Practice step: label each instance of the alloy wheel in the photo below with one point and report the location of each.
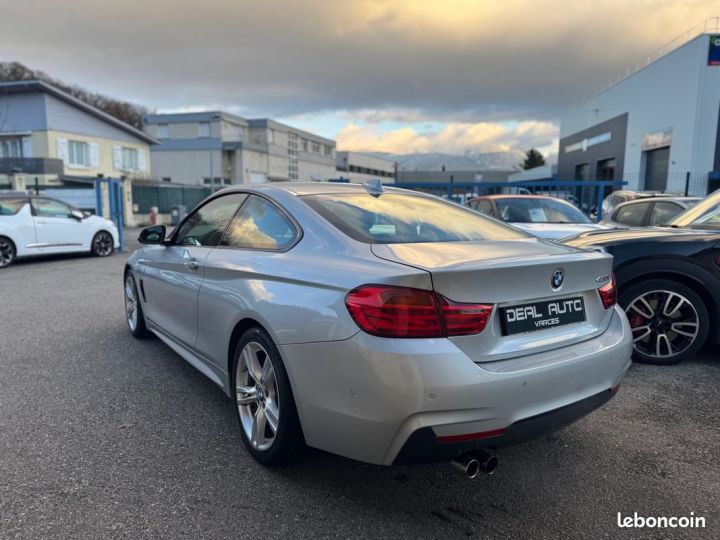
(131, 303)
(103, 244)
(257, 396)
(7, 253)
(664, 323)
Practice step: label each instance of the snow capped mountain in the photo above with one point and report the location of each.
(469, 161)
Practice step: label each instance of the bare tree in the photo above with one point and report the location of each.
(127, 112)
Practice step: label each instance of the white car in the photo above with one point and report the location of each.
(547, 217)
(36, 225)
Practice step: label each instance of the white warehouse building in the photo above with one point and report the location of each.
(356, 167)
(219, 148)
(657, 129)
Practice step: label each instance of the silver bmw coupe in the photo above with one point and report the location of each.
(380, 324)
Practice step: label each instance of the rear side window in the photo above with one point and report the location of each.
(207, 224)
(631, 214)
(395, 218)
(484, 207)
(10, 207)
(260, 225)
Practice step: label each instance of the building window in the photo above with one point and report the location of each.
(11, 148)
(305, 143)
(78, 153)
(316, 148)
(327, 149)
(163, 131)
(204, 129)
(166, 179)
(130, 159)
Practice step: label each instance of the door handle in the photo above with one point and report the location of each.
(192, 264)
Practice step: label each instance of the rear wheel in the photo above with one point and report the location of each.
(669, 321)
(102, 244)
(264, 403)
(7, 252)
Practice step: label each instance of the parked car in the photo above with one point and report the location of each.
(669, 281)
(546, 217)
(380, 324)
(648, 211)
(34, 225)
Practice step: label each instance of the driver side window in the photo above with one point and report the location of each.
(206, 225)
(50, 208)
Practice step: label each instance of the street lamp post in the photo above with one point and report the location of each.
(213, 117)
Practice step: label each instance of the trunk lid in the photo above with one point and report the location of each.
(512, 273)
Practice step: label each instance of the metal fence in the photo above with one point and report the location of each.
(165, 197)
(586, 195)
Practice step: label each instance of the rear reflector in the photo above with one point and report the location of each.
(404, 312)
(608, 293)
(471, 436)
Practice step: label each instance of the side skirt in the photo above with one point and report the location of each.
(215, 375)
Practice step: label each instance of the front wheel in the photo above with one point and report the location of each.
(264, 402)
(133, 309)
(7, 252)
(669, 321)
(102, 244)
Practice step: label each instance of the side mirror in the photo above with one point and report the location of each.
(77, 214)
(152, 235)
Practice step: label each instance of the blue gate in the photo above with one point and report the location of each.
(115, 200)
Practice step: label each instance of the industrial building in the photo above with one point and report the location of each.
(435, 177)
(358, 168)
(219, 148)
(656, 128)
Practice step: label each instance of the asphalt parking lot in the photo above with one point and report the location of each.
(102, 435)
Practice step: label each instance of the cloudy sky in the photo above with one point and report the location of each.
(386, 75)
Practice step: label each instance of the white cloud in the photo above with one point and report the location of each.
(453, 138)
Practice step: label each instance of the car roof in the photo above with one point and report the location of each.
(311, 188)
(663, 198)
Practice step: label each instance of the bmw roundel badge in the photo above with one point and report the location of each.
(557, 279)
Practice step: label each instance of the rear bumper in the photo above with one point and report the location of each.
(423, 445)
(388, 401)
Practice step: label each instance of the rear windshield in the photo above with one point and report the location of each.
(534, 210)
(9, 207)
(396, 218)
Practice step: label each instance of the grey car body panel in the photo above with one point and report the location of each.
(376, 391)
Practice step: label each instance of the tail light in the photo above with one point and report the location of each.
(404, 312)
(608, 293)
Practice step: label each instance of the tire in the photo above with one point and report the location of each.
(133, 308)
(259, 403)
(8, 253)
(102, 244)
(670, 321)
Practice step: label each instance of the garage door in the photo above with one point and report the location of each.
(656, 169)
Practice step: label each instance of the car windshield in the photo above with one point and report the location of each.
(704, 214)
(538, 210)
(395, 218)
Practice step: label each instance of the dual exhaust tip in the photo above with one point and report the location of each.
(477, 461)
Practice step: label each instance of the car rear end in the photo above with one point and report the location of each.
(514, 337)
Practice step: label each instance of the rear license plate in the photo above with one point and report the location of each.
(542, 315)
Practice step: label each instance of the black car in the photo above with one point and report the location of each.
(668, 280)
